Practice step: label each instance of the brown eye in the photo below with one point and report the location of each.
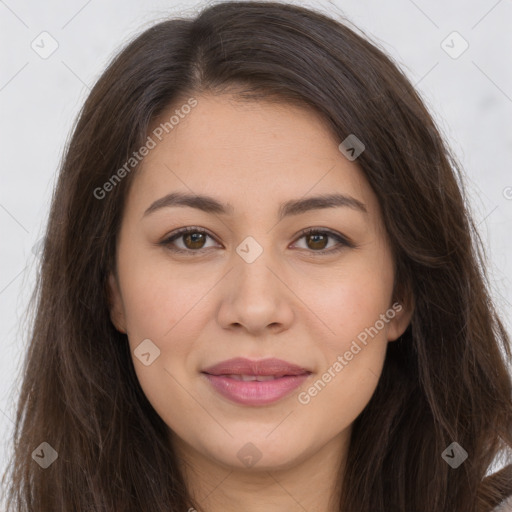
(317, 241)
(187, 240)
(194, 240)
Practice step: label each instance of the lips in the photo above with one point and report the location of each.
(242, 366)
(255, 382)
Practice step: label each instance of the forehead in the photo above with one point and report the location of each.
(244, 152)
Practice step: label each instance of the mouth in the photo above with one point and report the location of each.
(251, 378)
(255, 383)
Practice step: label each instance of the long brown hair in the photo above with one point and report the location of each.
(445, 380)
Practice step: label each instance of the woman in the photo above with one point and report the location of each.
(261, 288)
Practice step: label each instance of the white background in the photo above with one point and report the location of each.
(470, 97)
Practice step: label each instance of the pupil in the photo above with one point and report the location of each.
(316, 241)
(195, 238)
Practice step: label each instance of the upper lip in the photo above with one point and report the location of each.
(242, 366)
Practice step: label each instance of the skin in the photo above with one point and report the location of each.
(290, 303)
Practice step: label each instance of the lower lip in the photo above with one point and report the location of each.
(255, 392)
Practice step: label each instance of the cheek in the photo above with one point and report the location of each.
(158, 298)
(354, 348)
(352, 300)
(336, 397)
(165, 307)
(170, 308)
(353, 354)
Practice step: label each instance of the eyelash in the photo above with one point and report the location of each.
(343, 242)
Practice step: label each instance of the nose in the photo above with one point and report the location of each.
(255, 297)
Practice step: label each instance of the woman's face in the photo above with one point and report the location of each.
(251, 285)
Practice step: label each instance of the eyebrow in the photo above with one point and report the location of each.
(209, 204)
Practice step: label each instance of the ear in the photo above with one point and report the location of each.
(115, 302)
(403, 309)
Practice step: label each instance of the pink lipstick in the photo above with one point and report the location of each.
(255, 383)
